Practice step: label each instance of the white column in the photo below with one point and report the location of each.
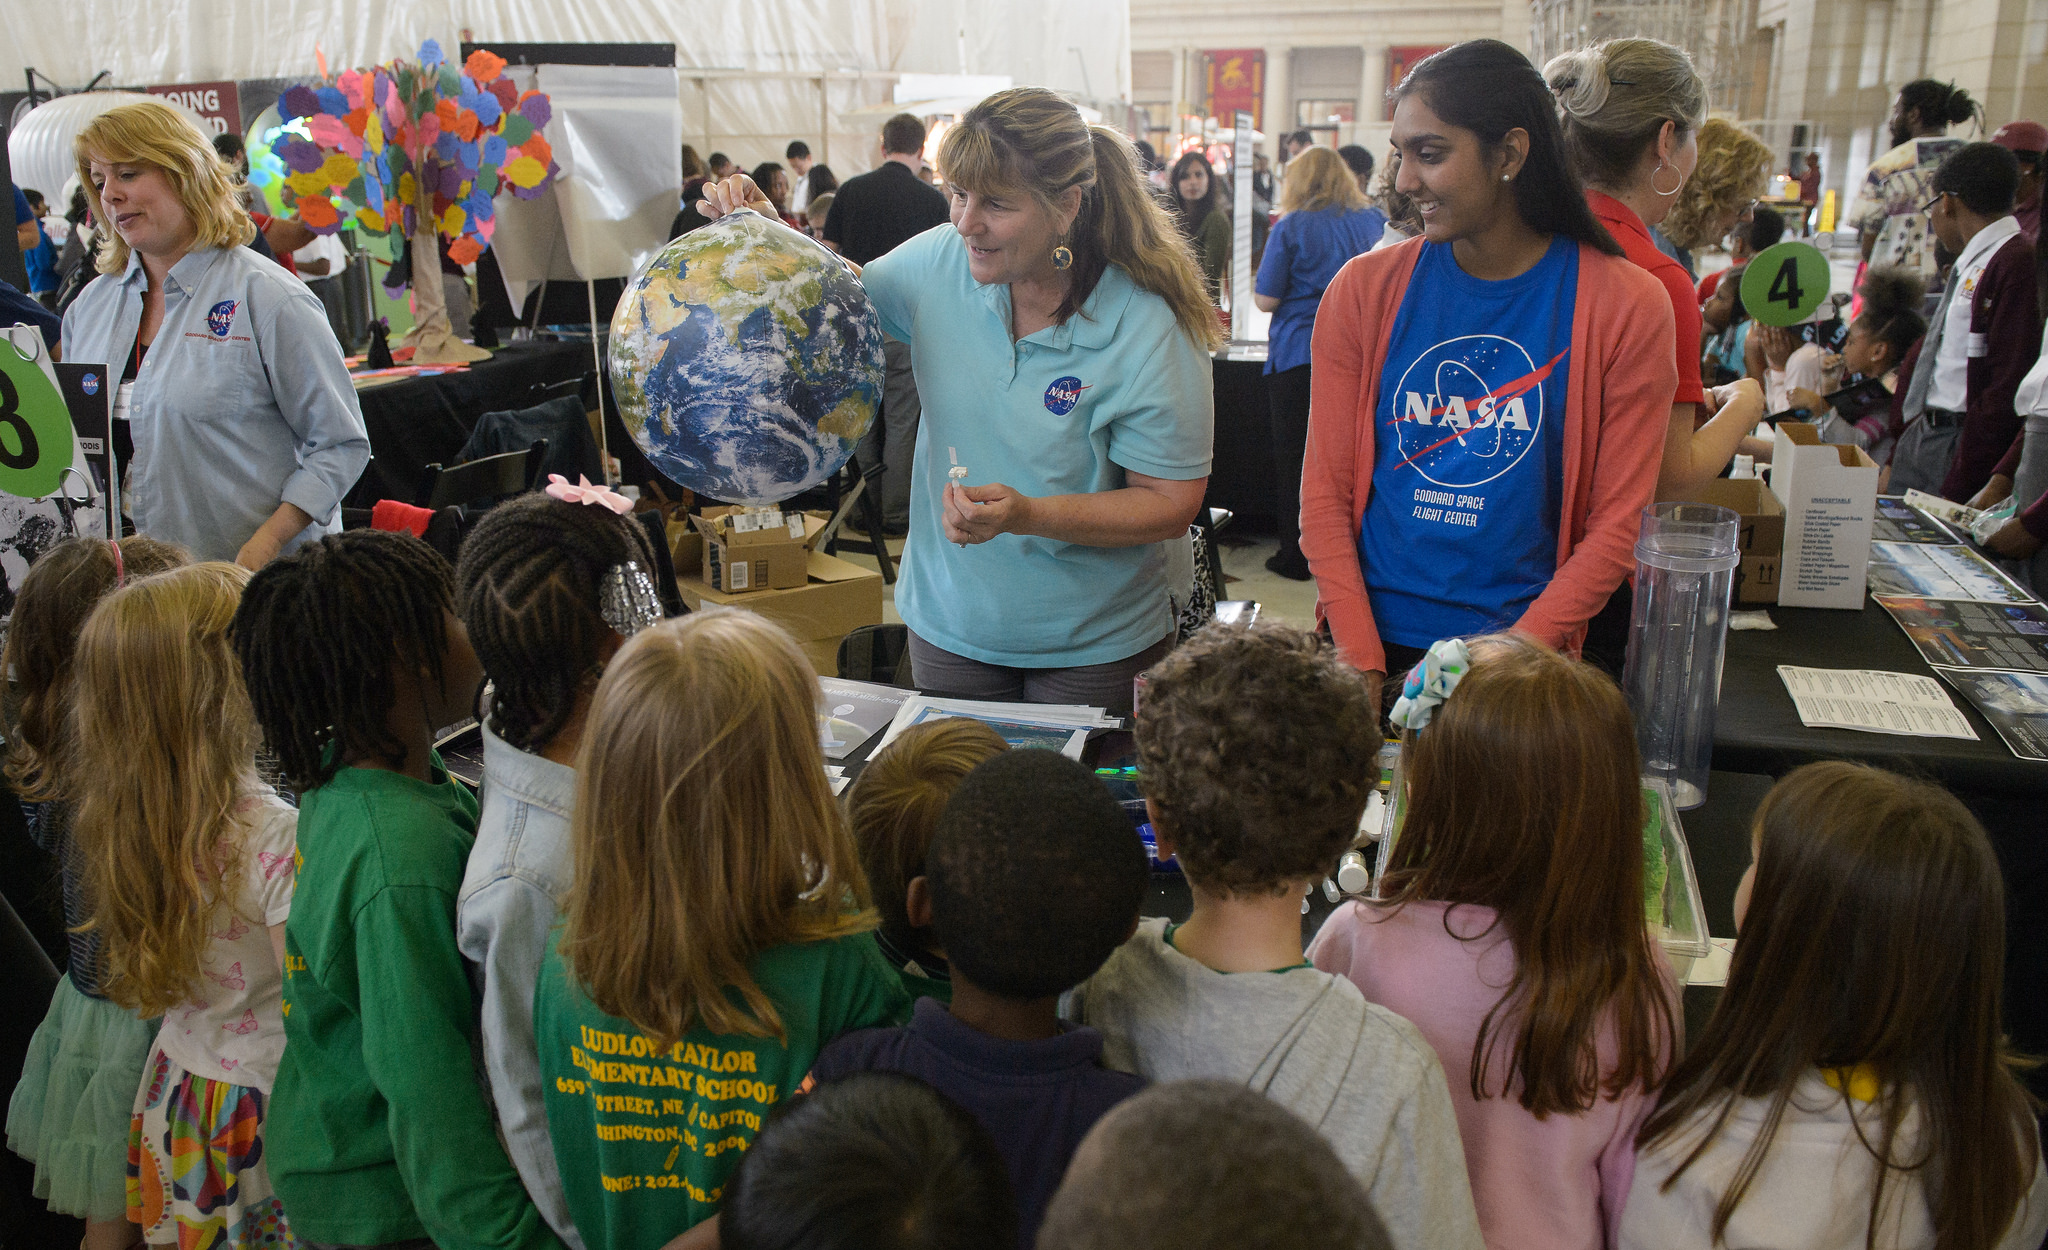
(1279, 105)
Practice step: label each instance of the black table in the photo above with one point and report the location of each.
(426, 420)
(1758, 732)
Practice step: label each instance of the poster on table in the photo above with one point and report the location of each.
(47, 493)
(1933, 571)
(2016, 704)
(1900, 522)
(1965, 634)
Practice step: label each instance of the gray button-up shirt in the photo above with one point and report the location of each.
(242, 403)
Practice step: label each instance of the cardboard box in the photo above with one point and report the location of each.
(738, 559)
(836, 598)
(1761, 539)
(1829, 492)
(685, 548)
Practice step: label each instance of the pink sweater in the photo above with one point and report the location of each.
(1558, 1183)
(1617, 407)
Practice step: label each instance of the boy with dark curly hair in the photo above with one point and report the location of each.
(1257, 748)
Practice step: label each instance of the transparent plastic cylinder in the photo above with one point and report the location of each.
(1678, 632)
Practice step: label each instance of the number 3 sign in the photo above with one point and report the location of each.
(36, 442)
(1785, 283)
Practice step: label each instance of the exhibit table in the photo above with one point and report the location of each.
(1758, 732)
(425, 420)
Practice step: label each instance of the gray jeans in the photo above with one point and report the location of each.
(1107, 686)
(893, 438)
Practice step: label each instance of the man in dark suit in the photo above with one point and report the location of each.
(871, 215)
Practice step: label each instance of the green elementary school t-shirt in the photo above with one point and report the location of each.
(378, 1129)
(646, 1141)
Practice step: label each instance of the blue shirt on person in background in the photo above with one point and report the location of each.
(1066, 410)
(1460, 534)
(1303, 254)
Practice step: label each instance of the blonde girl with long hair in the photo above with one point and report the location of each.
(190, 859)
(1059, 330)
(69, 1111)
(718, 933)
(1326, 220)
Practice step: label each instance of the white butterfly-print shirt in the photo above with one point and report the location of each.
(232, 1029)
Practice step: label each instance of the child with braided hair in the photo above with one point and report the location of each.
(549, 589)
(380, 1134)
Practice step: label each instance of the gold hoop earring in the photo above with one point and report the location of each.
(1661, 167)
(1062, 258)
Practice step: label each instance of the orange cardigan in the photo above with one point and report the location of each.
(1617, 407)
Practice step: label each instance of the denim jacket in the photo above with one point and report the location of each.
(518, 877)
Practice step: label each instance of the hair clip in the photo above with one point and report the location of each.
(583, 492)
(1431, 682)
(626, 599)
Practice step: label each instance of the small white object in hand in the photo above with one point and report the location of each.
(958, 472)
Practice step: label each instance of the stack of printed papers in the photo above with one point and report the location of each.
(1874, 702)
(1062, 727)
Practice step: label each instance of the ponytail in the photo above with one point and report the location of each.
(1891, 310)
(1034, 140)
(1940, 104)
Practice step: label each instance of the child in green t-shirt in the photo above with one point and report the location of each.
(379, 1131)
(894, 806)
(718, 932)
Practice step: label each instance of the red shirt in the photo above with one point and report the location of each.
(1634, 237)
(1708, 285)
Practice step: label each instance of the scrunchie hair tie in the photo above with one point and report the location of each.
(1429, 683)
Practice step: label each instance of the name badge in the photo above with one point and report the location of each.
(1980, 346)
(122, 398)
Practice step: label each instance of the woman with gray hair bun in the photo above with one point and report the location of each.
(1631, 111)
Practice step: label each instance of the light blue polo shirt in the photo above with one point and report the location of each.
(1064, 411)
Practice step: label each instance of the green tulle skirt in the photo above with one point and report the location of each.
(70, 1113)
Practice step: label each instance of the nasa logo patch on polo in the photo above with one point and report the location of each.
(1062, 395)
(221, 318)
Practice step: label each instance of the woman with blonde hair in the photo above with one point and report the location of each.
(1060, 332)
(189, 857)
(1631, 111)
(1734, 166)
(245, 428)
(718, 932)
(1326, 220)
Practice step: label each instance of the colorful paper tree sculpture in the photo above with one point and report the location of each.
(421, 149)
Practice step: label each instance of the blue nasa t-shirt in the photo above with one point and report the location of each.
(1468, 477)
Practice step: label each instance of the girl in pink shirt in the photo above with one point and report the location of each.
(1514, 936)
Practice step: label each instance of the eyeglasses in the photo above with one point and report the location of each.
(1939, 196)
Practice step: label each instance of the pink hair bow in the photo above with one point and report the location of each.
(558, 487)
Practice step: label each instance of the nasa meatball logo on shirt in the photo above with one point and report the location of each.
(221, 318)
(1469, 409)
(1062, 395)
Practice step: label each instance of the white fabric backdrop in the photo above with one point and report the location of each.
(1078, 46)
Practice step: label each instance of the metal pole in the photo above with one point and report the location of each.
(604, 448)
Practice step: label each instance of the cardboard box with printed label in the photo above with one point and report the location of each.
(836, 598)
(1760, 539)
(747, 551)
(1829, 492)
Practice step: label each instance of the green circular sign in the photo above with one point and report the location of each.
(35, 429)
(1785, 283)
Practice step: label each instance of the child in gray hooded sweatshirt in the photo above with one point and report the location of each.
(1257, 748)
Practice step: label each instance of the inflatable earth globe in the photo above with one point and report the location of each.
(746, 361)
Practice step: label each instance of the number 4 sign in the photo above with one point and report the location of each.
(1785, 283)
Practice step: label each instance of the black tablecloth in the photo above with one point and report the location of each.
(1241, 469)
(423, 421)
(1758, 731)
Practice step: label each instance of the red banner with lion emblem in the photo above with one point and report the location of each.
(1237, 80)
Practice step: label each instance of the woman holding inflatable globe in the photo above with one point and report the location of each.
(1059, 331)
